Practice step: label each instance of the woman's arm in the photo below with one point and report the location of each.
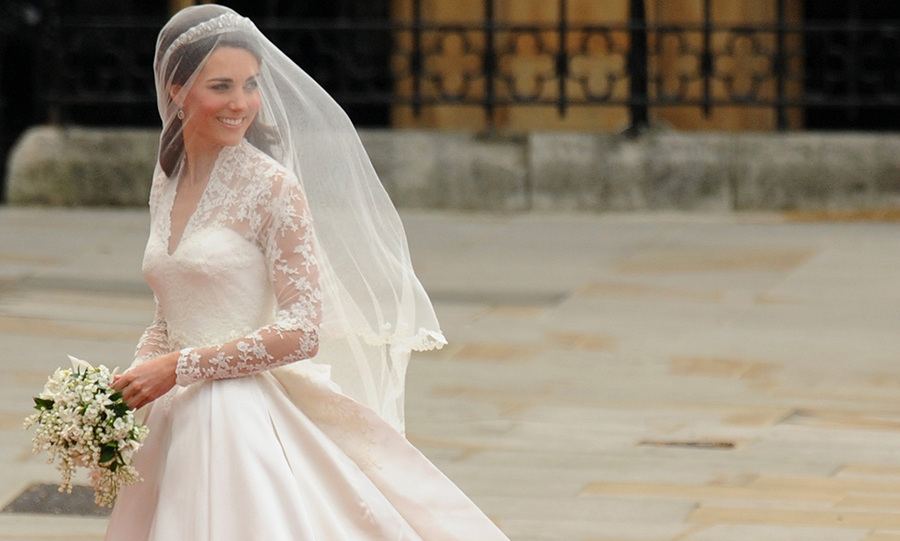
(155, 339)
(286, 237)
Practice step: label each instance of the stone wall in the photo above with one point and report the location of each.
(81, 166)
(540, 171)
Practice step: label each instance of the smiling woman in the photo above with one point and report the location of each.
(227, 94)
(272, 377)
(214, 79)
(214, 113)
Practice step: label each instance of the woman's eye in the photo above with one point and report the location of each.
(253, 84)
(220, 86)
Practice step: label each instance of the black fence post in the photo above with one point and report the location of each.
(562, 59)
(852, 110)
(780, 66)
(637, 66)
(6, 135)
(489, 62)
(416, 58)
(706, 62)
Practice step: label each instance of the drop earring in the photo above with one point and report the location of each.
(180, 114)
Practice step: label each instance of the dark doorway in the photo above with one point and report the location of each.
(19, 104)
(851, 52)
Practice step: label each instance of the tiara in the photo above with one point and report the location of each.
(208, 28)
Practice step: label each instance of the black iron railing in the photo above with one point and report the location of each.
(98, 70)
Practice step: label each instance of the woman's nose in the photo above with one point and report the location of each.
(239, 101)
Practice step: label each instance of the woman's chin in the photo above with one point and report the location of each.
(232, 139)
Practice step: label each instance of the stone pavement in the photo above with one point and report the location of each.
(616, 377)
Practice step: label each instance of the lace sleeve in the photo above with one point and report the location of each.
(155, 339)
(286, 238)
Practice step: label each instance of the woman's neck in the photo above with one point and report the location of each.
(199, 159)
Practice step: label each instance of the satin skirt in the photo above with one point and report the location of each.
(271, 457)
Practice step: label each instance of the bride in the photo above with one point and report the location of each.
(272, 376)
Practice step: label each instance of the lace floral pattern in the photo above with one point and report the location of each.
(155, 339)
(252, 195)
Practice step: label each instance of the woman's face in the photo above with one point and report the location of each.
(223, 100)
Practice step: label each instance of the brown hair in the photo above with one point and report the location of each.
(183, 62)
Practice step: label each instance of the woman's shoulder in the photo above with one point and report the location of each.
(264, 169)
(157, 183)
(258, 184)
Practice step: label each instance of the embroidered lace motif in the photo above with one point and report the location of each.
(271, 206)
(254, 196)
(155, 339)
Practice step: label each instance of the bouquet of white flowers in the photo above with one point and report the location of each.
(82, 421)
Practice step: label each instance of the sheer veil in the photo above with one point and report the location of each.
(374, 309)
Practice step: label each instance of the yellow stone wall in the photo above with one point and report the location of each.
(599, 59)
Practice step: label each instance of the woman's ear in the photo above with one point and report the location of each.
(174, 90)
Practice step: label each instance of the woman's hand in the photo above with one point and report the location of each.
(147, 381)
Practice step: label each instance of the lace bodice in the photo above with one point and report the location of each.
(240, 292)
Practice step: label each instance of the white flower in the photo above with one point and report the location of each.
(80, 364)
(69, 428)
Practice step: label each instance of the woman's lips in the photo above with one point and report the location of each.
(231, 122)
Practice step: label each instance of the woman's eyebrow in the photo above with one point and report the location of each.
(229, 79)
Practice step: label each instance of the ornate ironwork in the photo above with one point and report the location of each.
(97, 64)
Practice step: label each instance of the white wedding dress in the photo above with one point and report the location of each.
(237, 452)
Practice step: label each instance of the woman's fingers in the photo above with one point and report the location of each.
(126, 395)
(121, 381)
(132, 397)
(136, 397)
(131, 391)
(132, 403)
(122, 386)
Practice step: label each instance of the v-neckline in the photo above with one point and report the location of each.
(200, 200)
